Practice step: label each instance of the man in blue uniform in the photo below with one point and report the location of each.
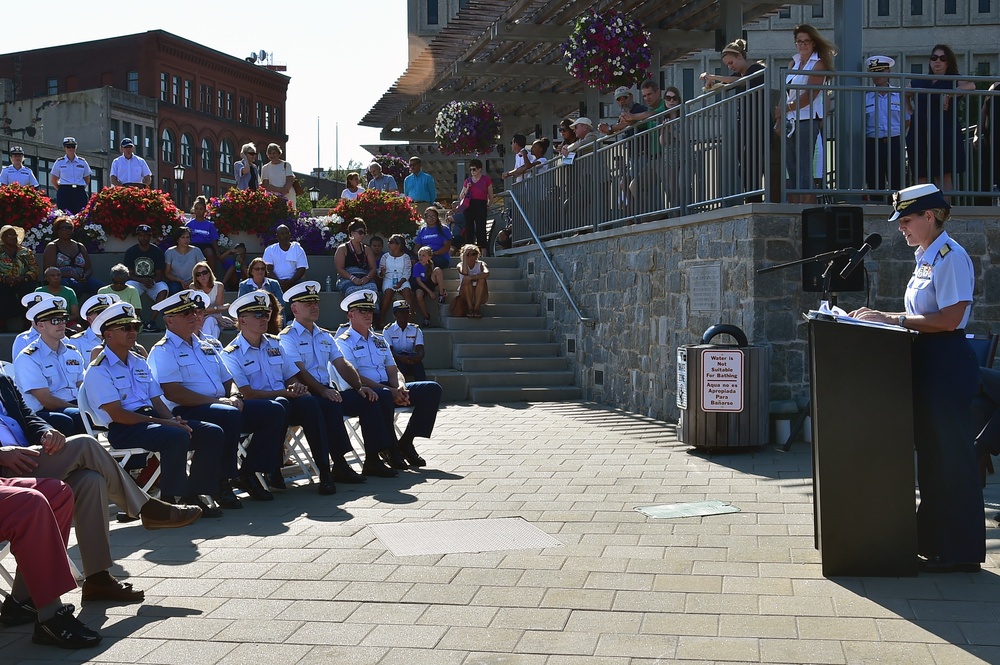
(70, 175)
(406, 340)
(124, 397)
(17, 172)
(313, 350)
(88, 340)
(885, 121)
(31, 334)
(369, 352)
(197, 385)
(48, 372)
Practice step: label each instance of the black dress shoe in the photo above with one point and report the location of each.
(276, 482)
(227, 499)
(326, 486)
(207, 509)
(937, 565)
(252, 487)
(65, 631)
(411, 456)
(13, 613)
(345, 474)
(373, 467)
(393, 458)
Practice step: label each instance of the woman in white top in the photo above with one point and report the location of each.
(804, 108)
(203, 279)
(395, 268)
(277, 176)
(353, 187)
(180, 261)
(473, 275)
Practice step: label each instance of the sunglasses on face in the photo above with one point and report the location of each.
(670, 98)
(201, 273)
(257, 315)
(57, 321)
(803, 42)
(936, 58)
(127, 327)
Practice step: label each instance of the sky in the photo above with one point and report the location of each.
(341, 57)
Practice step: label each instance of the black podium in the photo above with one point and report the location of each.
(863, 457)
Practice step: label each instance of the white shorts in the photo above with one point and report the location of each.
(152, 292)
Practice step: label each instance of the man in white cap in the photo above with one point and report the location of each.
(886, 120)
(314, 350)
(30, 447)
(70, 175)
(623, 96)
(262, 372)
(197, 386)
(130, 169)
(369, 352)
(124, 397)
(583, 127)
(17, 172)
(406, 341)
(48, 372)
(31, 334)
(86, 341)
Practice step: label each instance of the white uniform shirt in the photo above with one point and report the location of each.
(38, 366)
(262, 368)
(23, 340)
(315, 350)
(403, 341)
(370, 356)
(944, 276)
(884, 113)
(285, 262)
(130, 171)
(197, 367)
(21, 176)
(85, 342)
(111, 380)
(71, 173)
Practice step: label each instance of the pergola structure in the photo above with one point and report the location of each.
(508, 52)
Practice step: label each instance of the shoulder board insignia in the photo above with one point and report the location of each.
(231, 348)
(945, 250)
(344, 336)
(273, 338)
(78, 335)
(99, 359)
(70, 346)
(28, 350)
(285, 329)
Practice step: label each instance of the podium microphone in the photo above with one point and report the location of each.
(871, 242)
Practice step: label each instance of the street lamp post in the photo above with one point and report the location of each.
(179, 184)
(313, 197)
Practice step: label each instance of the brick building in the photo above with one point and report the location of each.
(208, 103)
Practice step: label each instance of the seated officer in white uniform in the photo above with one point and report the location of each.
(86, 341)
(31, 334)
(406, 340)
(370, 354)
(124, 397)
(313, 349)
(262, 372)
(198, 386)
(48, 372)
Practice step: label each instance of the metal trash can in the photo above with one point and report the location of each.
(722, 392)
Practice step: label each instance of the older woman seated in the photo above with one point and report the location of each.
(18, 274)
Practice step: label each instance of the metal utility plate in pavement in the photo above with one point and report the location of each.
(695, 509)
(456, 536)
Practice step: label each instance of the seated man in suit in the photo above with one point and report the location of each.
(35, 516)
(29, 446)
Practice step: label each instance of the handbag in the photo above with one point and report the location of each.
(297, 186)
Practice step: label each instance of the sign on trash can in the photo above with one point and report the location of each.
(722, 392)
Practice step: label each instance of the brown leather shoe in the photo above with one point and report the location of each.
(179, 516)
(116, 590)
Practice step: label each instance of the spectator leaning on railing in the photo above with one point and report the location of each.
(624, 98)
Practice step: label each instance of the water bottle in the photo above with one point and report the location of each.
(329, 284)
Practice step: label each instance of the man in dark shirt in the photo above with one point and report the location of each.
(624, 98)
(146, 265)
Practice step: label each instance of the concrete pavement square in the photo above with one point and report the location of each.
(303, 580)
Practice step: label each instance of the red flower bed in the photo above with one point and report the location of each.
(23, 206)
(384, 213)
(120, 209)
(254, 211)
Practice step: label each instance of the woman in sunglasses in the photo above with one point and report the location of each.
(934, 143)
(203, 279)
(479, 188)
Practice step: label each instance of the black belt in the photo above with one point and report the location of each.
(146, 411)
(73, 186)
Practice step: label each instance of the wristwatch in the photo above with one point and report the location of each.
(902, 320)
(238, 396)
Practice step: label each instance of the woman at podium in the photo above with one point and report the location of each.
(951, 529)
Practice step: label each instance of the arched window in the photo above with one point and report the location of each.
(206, 155)
(226, 156)
(187, 150)
(167, 147)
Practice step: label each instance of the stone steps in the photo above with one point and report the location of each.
(504, 350)
(492, 364)
(493, 395)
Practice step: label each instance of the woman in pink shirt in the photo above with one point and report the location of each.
(479, 189)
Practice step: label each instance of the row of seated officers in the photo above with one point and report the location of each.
(192, 394)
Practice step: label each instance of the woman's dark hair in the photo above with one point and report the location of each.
(358, 223)
(949, 58)
(64, 220)
(821, 47)
(176, 234)
(477, 163)
(274, 323)
(545, 144)
(202, 200)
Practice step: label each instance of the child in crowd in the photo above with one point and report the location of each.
(473, 291)
(427, 281)
(395, 269)
(234, 266)
(378, 248)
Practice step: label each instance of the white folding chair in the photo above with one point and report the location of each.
(4, 573)
(98, 430)
(7, 369)
(296, 446)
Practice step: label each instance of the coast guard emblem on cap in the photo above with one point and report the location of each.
(103, 300)
(900, 205)
(261, 300)
(128, 310)
(184, 297)
(312, 289)
(35, 300)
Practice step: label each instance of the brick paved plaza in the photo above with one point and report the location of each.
(303, 580)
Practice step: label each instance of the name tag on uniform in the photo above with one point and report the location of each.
(923, 272)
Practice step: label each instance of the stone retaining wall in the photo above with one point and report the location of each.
(637, 284)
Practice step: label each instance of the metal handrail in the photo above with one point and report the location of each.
(548, 259)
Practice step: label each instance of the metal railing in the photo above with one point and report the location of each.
(726, 148)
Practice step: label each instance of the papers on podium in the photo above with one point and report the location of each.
(828, 313)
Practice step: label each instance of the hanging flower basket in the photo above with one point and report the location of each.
(23, 206)
(608, 50)
(395, 166)
(467, 128)
(384, 213)
(251, 211)
(118, 210)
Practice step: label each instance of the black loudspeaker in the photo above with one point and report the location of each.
(828, 229)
